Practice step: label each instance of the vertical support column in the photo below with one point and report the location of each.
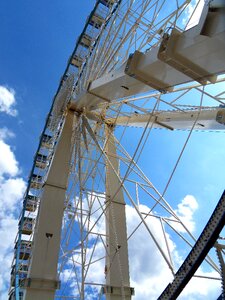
(42, 278)
(117, 266)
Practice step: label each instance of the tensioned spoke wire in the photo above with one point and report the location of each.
(90, 173)
(158, 201)
(130, 198)
(179, 158)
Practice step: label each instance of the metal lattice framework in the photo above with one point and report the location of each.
(85, 183)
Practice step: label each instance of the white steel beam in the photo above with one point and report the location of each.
(209, 119)
(197, 54)
(117, 266)
(42, 278)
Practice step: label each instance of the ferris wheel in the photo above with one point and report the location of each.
(141, 69)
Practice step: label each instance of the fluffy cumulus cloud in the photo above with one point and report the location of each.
(202, 288)
(149, 271)
(5, 133)
(185, 211)
(147, 265)
(8, 163)
(12, 187)
(7, 101)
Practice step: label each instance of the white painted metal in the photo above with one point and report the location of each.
(196, 54)
(117, 267)
(42, 278)
(210, 119)
(116, 84)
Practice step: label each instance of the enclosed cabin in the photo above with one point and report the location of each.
(65, 77)
(108, 3)
(25, 249)
(27, 225)
(46, 141)
(31, 203)
(22, 272)
(70, 211)
(41, 161)
(96, 21)
(86, 41)
(12, 295)
(77, 61)
(36, 181)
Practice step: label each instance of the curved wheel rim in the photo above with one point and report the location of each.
(83, 240)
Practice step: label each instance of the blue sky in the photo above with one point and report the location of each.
(37, 39)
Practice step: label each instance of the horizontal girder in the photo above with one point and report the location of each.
(209, 119)
(197, 54)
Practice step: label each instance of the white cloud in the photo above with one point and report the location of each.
(185, 211)
(202, 288)
(8, 162)
(12, 188)
(147, 266)
(148, 270)
(11, 191)
(5, 133)
(7, 101)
